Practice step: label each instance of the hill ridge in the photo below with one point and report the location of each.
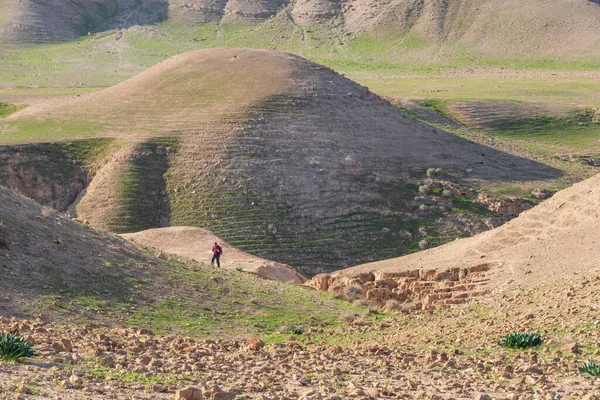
(513, 28)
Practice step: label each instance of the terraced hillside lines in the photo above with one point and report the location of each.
(281, 157)
(186, 90)
(557, 128)
(542, 246)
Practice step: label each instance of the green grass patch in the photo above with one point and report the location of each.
(576, 131)
(7, 109)
(519, 340)
(27, 130)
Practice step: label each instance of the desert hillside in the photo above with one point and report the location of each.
(552, 242)
(196, 244)
(548, 28)
(67, 271)
(279, 156)
(127, 325)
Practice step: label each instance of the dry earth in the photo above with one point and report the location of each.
(443, 355)
(546, 281)
(196, 244)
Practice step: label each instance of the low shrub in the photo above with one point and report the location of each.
(14, 348)
(349, 317)
(393, 305)
(519, 340)
(362, 303)
(590, 368)
(434, 173)
(353, 292)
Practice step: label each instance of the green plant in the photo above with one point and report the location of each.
(296, 331)
(590, 368)
(13, 348)
(519, 340)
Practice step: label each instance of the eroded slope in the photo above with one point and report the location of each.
(513, 28)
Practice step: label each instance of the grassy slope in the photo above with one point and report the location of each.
(101, 277)
(392, 65)
(395, 65)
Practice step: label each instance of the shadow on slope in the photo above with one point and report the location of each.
(46, 21)
(67, 271)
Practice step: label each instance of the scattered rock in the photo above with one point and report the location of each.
(75, 380)
(572, 348)
(189, 393)
(255, 344)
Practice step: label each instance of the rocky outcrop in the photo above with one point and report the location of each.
(414, 289)
(309, 12)
(251, 11)
(512, 206)
(42, 173)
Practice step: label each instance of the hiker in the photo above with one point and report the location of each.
(217, 252)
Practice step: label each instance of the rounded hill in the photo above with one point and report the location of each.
(277, 155)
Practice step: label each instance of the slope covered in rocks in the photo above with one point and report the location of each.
(279, 156)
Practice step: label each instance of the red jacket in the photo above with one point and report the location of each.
(217, 250)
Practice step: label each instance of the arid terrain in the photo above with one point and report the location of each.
(397, 185)
(293, 162)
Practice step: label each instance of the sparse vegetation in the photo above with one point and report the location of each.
(353, 292)
(349, 317)
(14, 348)
(519, 340)
(7, 109)
(433, 173)
(393, 306)
(590, 368)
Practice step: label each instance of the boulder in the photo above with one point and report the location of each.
(189, 393)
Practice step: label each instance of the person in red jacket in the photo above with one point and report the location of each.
(217, 252)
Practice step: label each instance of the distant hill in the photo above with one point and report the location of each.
(279, 156)
(510, 28)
